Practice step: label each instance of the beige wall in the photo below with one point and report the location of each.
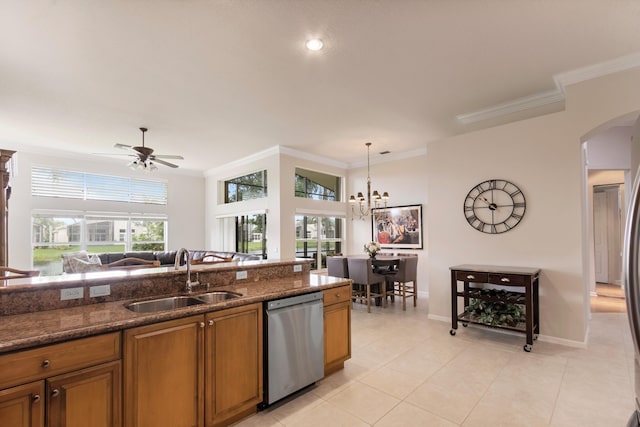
(543, 157)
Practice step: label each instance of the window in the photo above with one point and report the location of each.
(318, 237)
(50, 182)
(55, 234)
(251, 237)
(317, 185)
(252, 186)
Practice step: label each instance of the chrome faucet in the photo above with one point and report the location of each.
(179, 257)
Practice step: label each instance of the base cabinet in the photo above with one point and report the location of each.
(68, 387)
(337, 328)
(22, 406)
(163, 374)
(203, 370)
(233, 367)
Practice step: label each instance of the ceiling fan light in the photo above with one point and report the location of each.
(152, 167)
(133, 164)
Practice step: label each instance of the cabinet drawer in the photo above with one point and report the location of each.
(472, 276)
(29, 365)
(336, 295)
(507, 279)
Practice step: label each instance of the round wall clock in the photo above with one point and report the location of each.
(494, 206)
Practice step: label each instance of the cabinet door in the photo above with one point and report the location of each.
(163, 372)
(233, 364)
(88, 397)
(22, 406)
(337, 336)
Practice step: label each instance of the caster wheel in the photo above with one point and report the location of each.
(452, 332)
(465, 325)
(262, 406)
(535, 337)
(527, 348)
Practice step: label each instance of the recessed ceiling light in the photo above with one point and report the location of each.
(314, 44)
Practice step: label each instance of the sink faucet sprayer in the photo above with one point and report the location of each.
(179, 257)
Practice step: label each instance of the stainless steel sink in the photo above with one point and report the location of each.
(217, 296)
(163, 304)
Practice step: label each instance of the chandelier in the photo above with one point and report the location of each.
(374, 200)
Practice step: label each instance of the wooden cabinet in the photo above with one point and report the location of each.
(78, 382)
(163, 374)
(522, 285)
(196, 371)
(233, 364)
(337, 328)
(22, 406)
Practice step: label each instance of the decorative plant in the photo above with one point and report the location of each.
(372, 248)
(496, 312)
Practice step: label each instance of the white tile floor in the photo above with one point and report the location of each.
(406, 370)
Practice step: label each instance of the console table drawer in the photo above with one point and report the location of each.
(472, 276)
(507, 279)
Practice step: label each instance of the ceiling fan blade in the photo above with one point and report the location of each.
(167, 156)
(123, 146)
(162, 162)
(114, 154)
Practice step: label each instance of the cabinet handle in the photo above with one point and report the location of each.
(55, 392)
(36, 398)
(337, 295)
(470, 276)
(505, 280)
(202, 324)
(210, 322)
(46, 363)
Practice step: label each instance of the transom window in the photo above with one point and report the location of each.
(247, 187)
(317, 185)
(51, 182)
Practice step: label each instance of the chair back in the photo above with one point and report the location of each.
(361, 272)
(407, 269)
(337, 266)
(14, 273)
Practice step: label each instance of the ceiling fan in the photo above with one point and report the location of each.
(145, 159)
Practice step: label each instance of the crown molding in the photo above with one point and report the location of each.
(312, 157)
(596, 70)
(560, 80)
(517, 105)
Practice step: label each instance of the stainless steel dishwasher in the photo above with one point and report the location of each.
(294, 340)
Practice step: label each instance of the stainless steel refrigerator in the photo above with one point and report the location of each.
(630, 273)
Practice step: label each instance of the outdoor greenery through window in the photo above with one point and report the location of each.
(318, 237)
(317, 185)
(251, 237)
(56, 234)
(51, 182)
(252, 186)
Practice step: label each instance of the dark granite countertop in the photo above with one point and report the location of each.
(27, 330)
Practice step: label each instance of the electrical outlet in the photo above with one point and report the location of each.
(241, 275)
(297, 268)
(71, 293)
(99, 291)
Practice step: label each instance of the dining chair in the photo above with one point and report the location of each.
(405, 284)
(361, 272)
(14, 273)
(337, 266)
(131, 263)
(210, 258)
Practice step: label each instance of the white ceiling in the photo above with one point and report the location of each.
(218, 80)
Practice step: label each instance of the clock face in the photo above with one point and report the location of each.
(494, 206)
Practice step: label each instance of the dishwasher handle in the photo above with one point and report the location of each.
(298, 299)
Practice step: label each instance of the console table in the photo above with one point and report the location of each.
(522, 283)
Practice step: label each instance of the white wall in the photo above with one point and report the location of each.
(185, 208)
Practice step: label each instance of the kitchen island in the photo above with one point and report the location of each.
(92, 350)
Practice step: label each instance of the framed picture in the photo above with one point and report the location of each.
(397, 227)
